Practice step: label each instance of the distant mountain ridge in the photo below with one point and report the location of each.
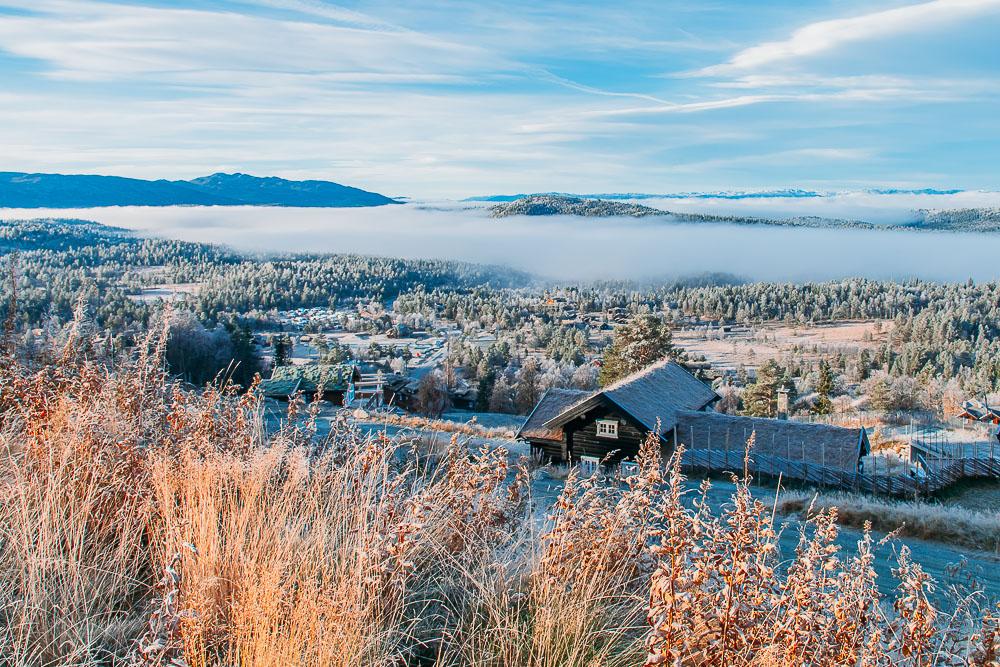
(792, 193)
(21, 190)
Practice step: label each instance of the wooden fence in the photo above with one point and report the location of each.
(938, 473)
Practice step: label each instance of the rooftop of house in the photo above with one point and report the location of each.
(651, 396)
(552, 403)
(976, 409)
(818, 444)
(308, 378)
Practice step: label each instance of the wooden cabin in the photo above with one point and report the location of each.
(779, 444)
(979, 411)
(336, 381)
(609, 425)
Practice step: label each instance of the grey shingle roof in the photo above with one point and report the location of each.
(280, 388)
(656, 392)
(333, 377)
(820, 444)
(553, 402)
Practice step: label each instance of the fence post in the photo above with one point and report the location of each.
(773, 449)
(874, 473)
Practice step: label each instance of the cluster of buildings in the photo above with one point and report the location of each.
(980, 411)
(327, 318)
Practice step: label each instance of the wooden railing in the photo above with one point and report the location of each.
(939, 473)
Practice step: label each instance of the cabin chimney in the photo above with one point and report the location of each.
(782, 404)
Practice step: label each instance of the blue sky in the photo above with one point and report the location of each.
(450, 99)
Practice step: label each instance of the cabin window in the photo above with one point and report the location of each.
(628, 468)
(589, 464)
(607, 428)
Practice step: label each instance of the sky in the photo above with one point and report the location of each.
(443, 99)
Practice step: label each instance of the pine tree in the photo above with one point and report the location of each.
(760, 399)
(526, 394)
(645, 340)
(282, 350)
(484, 390)
(824, 387)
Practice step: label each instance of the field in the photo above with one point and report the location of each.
(753, 346)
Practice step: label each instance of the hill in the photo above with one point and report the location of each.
(963, 219)
(539, 205)
(20, 190)
(560, 205)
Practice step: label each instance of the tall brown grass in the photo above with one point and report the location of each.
(925, 520)
(144, 524)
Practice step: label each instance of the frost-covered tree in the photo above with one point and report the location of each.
(432, 394)
(824, 387)
(760, 398)
(646, 339)
(502, 396)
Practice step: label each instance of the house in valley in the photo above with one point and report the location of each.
(609, 426)
(334, 380)
(611, 423)
(979, 411)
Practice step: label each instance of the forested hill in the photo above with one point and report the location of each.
(19, 190)
(560, 205)
(963, 219)
(957, 220)
(604, 208)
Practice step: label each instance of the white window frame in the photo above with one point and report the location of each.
(607, 428)
(628, 468)
(589, 464)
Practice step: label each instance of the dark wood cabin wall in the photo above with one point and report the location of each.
(584, 440)
(552, 451)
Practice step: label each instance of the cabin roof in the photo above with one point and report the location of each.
(978, 410)
(552, 403)
(333, 377)
(653, 394)
(280, 388)
(819, 444)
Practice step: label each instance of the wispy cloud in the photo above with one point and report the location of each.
(97, 41)
(825, 36)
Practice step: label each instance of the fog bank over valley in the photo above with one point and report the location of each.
(573, 248)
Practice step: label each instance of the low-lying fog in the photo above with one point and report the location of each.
(568, 248)
(888, 209)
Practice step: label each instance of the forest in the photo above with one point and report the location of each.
(940, 338)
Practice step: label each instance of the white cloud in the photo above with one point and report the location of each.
(97, 41)
(824, 36)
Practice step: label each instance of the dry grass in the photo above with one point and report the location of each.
(926, 521)
(470, 428)
(147, 525)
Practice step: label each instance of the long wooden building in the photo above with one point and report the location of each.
(609, 425)
(716, 440)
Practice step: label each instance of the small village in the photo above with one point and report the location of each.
(382, 362)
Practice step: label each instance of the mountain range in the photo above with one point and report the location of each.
(792, 193)
(20, 190)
